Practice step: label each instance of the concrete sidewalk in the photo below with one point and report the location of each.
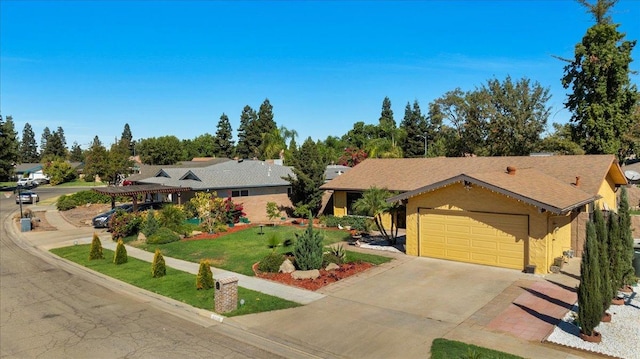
(393, 310)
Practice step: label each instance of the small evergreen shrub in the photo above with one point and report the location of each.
(204, 280)
(96, 248)
(308, 249)
(150, 224)
(271, 263)
(163, 236)
(120, 256)
(65, 203)
(158, 267)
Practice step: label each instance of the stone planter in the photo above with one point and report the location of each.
(595, 338)
(606, 317)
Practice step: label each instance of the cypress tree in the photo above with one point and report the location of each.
(158, 267)
(204, 280)
(308, 249)
(626, 240)
(603, 257)
(120, 255)
(590, 307)
(616, 255)
(96, 248)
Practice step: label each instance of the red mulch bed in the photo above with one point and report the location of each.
(220, 234)
(326, 278)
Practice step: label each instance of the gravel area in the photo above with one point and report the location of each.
(620, 337)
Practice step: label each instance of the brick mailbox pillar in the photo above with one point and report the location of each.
(226, 294)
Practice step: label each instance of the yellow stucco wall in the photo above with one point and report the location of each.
(456, 197)
(607, 191)
(339, 203)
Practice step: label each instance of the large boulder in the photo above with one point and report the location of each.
(306, 274)
(287, 267)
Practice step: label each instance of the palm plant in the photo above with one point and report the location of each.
(374, 204)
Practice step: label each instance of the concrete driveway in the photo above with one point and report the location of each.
(394, 310)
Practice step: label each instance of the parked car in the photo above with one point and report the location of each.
(102, 220)
(25, 182)
(27, 197)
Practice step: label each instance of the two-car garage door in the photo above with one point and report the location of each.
(474, 237)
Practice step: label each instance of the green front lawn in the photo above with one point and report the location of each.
(445, 349)
(238, 251)
(177, 285)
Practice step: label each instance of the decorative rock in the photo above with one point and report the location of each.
(195, 233)
(332, 266)
(141, 236)
(306, 274)
(287, 267)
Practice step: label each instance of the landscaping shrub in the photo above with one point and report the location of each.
(96, 248)
(626, 239)
(65, 203)
(331, 258)
(273, 241)
(158, 267)
(173, 217)
(120, 256)
(150, 224)
(163, 236)
(233, 211)
(204, 280)
(308, 249)
(359, 223)
(603, 258)
(124, 224)
(271, 263)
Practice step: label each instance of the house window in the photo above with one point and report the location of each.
(240, 193)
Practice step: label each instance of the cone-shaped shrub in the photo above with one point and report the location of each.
(626, 239)
(150, 224)
(590, 307)
(121, 253)
(96, 248)
(204, 280)
(616, 255)
(308, 249)
(603, 257)
(158, 267)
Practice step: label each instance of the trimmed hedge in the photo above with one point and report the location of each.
(67, 202)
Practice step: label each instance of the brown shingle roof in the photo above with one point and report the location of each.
(545, 180)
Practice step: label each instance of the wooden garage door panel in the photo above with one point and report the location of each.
(483, 238)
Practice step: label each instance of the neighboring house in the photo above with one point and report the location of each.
(35, 171)
(510, 212)
(333, 171)
(250, 182)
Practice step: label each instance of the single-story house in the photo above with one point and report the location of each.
(512, 212)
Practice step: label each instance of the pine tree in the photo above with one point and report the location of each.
(602, 98)
(28, 152)
(247, 139)
(386, 122)
(56, 146)
(76, 154)
(264, 125)
(96, 248)
(626, 239)
(308, 169)
(158, 267)
(415, 126)
(46, 134)
(120, 256)
(590, 307)
(308, 249)
(224, 143)
(8, 148)
(603, 257)
(127, 138)
(204, 280)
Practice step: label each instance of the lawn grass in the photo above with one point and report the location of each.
(81, 183)
(177, 285)
(352, 256)
(238, 251)
(445, 349)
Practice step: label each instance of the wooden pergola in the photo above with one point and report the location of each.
(134, 190)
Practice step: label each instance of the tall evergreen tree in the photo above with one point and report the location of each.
(76, 154)
(127, 137)
(248, 140)
(386, 122)
(263, 125)
(415, 127)
(118, 163)
(96, 159)
(28, 152)
(602, 96)
(8, 148)
(590, 307)
(626, 239)
(224, 143)
(308, 169)
(56, 146)
(603, 257)
(46, 134)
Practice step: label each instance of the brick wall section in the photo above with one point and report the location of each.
(226, 295)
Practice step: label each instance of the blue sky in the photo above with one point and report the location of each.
(172, 68)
